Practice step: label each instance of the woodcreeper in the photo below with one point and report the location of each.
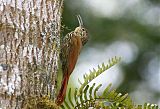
(71, 46)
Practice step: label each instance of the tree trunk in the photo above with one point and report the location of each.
(29, 53)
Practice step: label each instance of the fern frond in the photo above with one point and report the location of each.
(95, 73)
(106, 90)
(115, 99)
(96, 89)
(91, 91)
(89, 98)
(69, 98)
(147, 106)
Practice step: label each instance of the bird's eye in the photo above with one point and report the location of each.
(83, 29)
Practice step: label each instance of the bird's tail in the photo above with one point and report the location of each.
(62, 92)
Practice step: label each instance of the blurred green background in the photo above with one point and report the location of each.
(126, 28)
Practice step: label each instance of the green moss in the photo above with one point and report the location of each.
(41, 103)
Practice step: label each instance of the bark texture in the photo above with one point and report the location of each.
(29, 52)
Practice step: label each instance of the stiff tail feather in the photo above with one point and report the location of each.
(62, 92)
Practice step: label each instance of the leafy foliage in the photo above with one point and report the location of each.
(89, 98)
(94, 73)
(87, 95)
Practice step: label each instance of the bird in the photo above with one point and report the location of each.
(71, 47)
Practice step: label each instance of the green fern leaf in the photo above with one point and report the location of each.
(123, 98)
(106, 90)
(67, 105)
(91, 90)
(109, 99)
(96, 89)
(139, 107)
(85, 92)
(93, 74)
(112, 95)
(75, 96)
(79, 82)
(118, 96)
(69, 98)
(81, 99)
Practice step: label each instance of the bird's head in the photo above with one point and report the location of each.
(81, 32)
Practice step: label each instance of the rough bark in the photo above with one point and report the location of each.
(29, 52)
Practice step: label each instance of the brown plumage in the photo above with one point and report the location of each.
(70, 50)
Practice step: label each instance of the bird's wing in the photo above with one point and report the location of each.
(66, 47)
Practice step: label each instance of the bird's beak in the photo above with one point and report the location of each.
(80, 20)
